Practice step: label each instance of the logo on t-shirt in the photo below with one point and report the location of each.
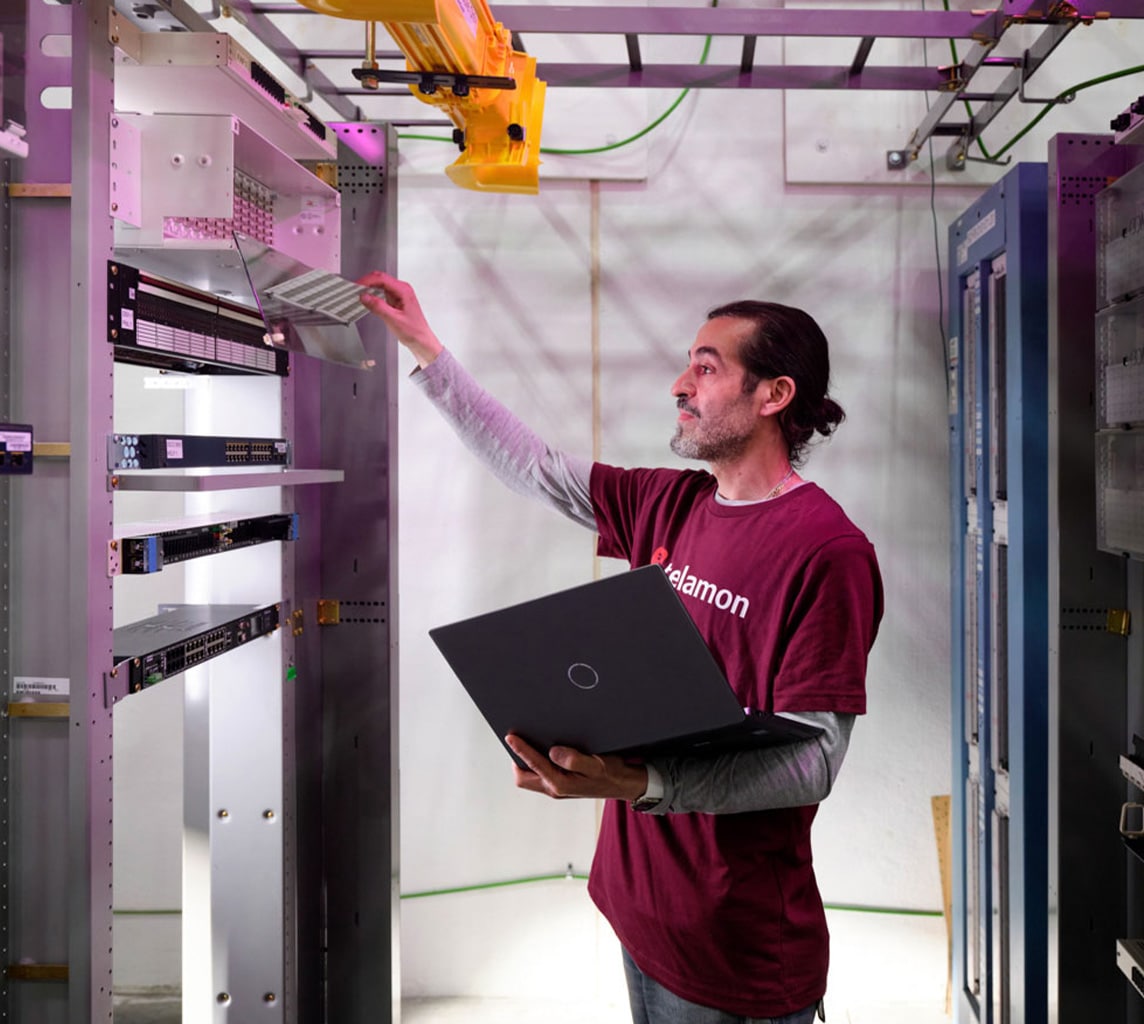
(686, 582)
(659, 556)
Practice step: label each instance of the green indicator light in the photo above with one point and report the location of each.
(291, 674)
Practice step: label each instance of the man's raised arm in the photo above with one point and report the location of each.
(515, 454)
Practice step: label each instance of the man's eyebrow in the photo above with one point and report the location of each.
(705, 350)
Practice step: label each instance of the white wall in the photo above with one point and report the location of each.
(506, 283)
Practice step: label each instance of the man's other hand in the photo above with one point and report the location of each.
(569, 773)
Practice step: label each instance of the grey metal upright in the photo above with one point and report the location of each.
(359, 570)
(90, 506)
(57, 865)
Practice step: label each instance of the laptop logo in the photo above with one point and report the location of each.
(583, 676)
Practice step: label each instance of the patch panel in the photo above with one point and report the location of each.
(176, 451)
(153, 321)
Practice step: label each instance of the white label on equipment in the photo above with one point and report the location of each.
(174, 448)
(42, 686)
(982, 227)
(16, 440)
(127, 319)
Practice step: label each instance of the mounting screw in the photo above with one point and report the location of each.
(270, 997)
(896, 159)
(268, 814)
(223, 997)
(224, 813)
(516, 132)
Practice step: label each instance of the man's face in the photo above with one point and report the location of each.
(717, 421)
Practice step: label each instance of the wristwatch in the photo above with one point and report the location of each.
(653, 795)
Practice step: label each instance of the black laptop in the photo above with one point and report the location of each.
(613, 666)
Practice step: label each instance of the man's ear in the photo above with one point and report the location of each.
(776, 394)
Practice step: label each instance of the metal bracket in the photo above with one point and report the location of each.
(897, 159)
(329, 612)
(952, 77)
(1119, 621)
(428, 82)
(115, 684)
(114, 559)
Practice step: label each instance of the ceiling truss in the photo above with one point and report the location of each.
(947, 117)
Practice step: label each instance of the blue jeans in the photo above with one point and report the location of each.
(653, 1004)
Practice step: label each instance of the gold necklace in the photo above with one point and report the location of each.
(778, 488)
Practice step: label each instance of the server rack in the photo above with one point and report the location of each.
(1093, 708)
(1044, 655)
(303, 881)
(998, 315)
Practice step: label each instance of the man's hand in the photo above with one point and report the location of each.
(569, 773)
(397, 305)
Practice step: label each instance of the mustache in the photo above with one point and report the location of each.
(682, 406)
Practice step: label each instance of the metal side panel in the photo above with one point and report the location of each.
(359, 665)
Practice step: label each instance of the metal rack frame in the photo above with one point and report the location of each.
(336, 915)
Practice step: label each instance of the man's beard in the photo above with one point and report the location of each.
(717, 443)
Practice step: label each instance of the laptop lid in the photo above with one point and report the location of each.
(616, 665)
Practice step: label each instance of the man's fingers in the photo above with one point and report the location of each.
(575, 761)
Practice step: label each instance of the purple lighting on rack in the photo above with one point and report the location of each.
(365, 139)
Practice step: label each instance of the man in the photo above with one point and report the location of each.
(703, 865)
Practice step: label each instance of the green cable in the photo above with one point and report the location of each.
(568, 875)
(611, 145)
(1059, 98)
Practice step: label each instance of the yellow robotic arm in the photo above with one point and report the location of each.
(460, 60)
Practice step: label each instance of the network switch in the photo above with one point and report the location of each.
(147, 553)
(177, 451)
(182, 636)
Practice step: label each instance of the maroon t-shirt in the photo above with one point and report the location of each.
(723, 909)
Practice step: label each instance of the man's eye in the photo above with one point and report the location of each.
(704, 369)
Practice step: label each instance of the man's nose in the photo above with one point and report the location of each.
(684, 385)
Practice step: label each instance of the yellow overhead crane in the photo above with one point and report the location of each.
(458, 58)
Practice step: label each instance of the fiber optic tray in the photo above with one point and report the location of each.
(205, 72)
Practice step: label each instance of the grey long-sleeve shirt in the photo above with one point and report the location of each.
(751, 780)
